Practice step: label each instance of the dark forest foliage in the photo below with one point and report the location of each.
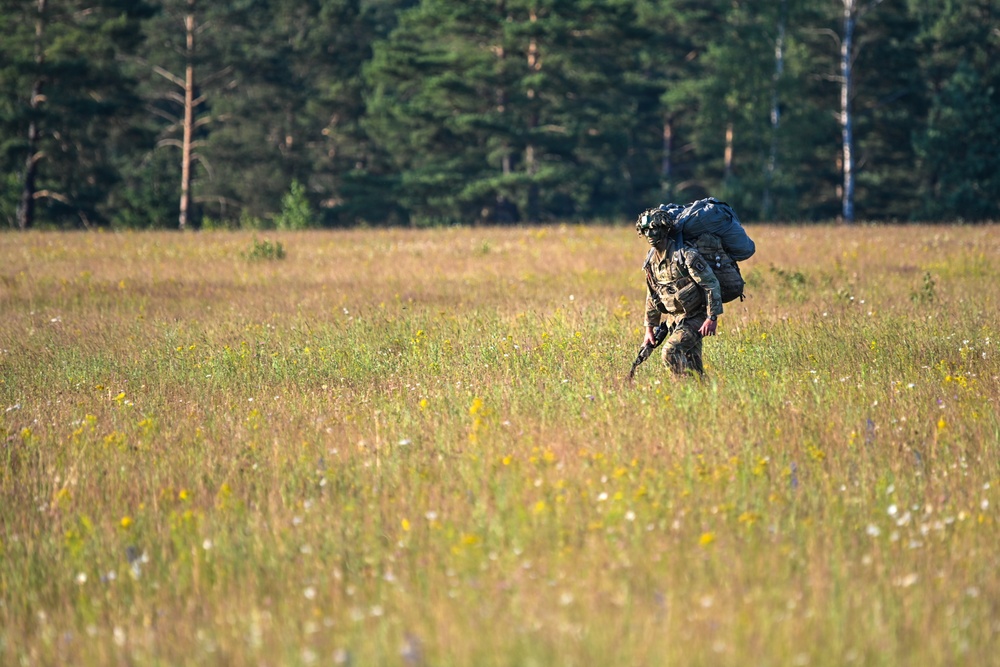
(345, 112)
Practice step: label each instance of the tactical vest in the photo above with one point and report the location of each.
(677, 292)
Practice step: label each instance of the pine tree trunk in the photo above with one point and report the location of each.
(666, 162)
(846, 119)
(530, 165)
(667, 158)
(502, 212)
(727, 157)
(26, 205)
(188, 129)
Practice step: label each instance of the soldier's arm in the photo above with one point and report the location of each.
(652, 312)
(703, 274)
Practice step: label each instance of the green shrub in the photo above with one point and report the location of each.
(264, 250)
(296, 212)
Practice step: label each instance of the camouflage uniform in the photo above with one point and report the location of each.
(668, 272)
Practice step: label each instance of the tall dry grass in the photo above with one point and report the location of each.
(416, 448)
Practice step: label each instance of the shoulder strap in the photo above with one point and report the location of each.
(649, 258)
(647, 269)
(679, 255)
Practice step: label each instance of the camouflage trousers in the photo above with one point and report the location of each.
(682, 349)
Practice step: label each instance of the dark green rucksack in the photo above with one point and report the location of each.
(726, 270)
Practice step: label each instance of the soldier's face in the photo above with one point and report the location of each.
(655, 237)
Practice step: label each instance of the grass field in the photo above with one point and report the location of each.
(416, 448)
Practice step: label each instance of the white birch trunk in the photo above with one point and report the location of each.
(846, 119)
(779, 68)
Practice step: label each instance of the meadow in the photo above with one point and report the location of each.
(418, 447)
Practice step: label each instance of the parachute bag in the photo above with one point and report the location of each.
(726, 270)
(711, 216)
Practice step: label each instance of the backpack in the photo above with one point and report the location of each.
(713, 229)
(731, 281)
(711, 216)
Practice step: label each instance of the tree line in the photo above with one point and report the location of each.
(256, 113)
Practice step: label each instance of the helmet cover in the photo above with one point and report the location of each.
(654, 224)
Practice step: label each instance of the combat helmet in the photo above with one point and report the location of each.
(655, 223)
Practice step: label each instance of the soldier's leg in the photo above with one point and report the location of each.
(682, 350)
(694, 356)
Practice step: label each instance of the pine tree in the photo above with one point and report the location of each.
(508, 110)
(68, 105)
(282, 101)
(435, 96)
(348, 167)
(183, 77)
(890, 103)
(957, 148)
(809, 143)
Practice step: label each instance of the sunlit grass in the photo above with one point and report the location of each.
(418, 447)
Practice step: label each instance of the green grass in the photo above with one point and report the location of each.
(417, 447)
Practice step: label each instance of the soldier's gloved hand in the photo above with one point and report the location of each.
(708, 328)
(650, 338)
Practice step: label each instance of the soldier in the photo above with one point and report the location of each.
(680, 287)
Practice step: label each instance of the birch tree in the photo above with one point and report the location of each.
(853, 11)
(774, 117)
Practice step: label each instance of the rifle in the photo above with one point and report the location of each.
(659, 334)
